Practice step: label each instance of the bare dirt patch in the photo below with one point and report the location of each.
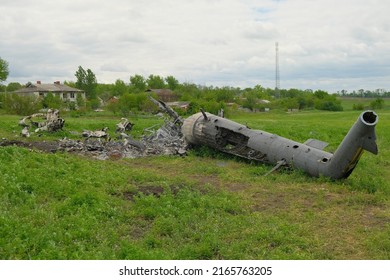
(155, 190)
(146, 190)
(45, 146)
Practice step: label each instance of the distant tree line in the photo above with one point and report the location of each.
(365, 93)
(125, 97)
(213, 98)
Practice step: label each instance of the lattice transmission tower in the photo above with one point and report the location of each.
(277, 73)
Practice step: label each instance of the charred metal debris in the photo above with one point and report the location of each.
(165, 140)
(51, 122)
(156, 140)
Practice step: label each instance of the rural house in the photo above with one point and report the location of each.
(66, 93)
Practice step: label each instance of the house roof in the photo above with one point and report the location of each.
(160, 91)
(39, 87)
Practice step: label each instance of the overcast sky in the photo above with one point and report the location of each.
(323, 44)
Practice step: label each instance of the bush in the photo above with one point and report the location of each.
(193, 107)
(80, 102)
(127, 102)
(21, 105)
(72, 106)
(144, 104)
(2, 97)
(377, 104)
(358, 107)
(93, 104)
(329, 106)
(113, 106)
(329, 103)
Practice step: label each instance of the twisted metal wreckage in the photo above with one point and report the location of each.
(167, 139)
(52, 122)
(175, 136)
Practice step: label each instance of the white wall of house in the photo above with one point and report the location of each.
(66, 96)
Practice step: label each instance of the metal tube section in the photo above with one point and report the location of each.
(360, 137)
(237, 139)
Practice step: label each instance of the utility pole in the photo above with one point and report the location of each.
(277, 74)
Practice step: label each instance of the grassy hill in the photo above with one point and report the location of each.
(206, 205)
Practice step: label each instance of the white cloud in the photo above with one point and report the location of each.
(329, 44)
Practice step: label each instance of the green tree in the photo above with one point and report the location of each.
(70, 83)
(155, 82)
(80, 101)
(105, 91)
(86, 81)
(52, 101)
(81, 75)
(189, 91)
(320, 94)
(127, 102)
(225, 94)
(119, 88)
(261, 92)
(3, 70)
(91, 84)
(250, 100)
(137, 83)
(13, 86)
(172, 82)
(144, 104)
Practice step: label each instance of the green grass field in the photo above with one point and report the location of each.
(348, 102)
(206, 205)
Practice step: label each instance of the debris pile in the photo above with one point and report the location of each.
(167, 140)
(52, 122)
(98, 149)
(96, 134)
(164, 140)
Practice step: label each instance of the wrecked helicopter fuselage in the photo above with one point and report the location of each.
(237, 139)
